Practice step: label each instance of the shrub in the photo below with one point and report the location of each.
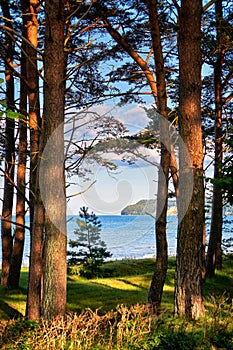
(90, 250)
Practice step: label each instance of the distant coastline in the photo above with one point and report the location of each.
(148, 207)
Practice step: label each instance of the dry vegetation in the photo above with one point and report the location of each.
(119, 329)
(129, 325)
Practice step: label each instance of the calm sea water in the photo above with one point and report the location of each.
(129, 236)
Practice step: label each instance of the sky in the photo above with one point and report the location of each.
(108, 192)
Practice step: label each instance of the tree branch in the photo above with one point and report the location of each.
(227, 99)
(14, 223)
(10, 30)
(15, 186)
(78, 194)
(133, 54)
(211, 2)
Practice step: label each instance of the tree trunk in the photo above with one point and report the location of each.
(52, 184)
(35, 280)
(158, 90)
(6, 225)
(18, 247)
(161, 263)
(160, 271)
(188, 291)
(34, 296)
(31, 14)
(214, 253)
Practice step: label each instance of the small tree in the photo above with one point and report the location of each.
(91, 250)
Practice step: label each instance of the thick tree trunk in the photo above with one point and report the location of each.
(52, 184)
(188, 291)
(6, 226)
(18, 247)
(214, 253)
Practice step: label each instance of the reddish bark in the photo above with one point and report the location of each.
(188, 291)
(6, 225)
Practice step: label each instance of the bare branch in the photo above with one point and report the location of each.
(10, 30)
(14, 223)
(78, 194)
(228, 98)
(15, 186)
(211, 2)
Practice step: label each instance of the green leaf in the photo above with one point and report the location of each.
(3, 103)
(14, 115)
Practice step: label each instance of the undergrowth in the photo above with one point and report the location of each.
(104, 325)
(123, 328)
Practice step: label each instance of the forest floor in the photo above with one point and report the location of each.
(113, 308)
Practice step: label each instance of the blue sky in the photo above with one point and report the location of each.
(109, 192)
(112, 191)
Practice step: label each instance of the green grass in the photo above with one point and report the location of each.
(13, 303)
(110, 313)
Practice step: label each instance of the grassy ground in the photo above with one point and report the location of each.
(127, 284)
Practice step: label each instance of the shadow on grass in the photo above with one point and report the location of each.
(99, 294)
(8, 312)
(222, 283)
(130, 283)
(12, 302)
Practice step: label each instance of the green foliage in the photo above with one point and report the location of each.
(90, 249)
(226, 181)
(17, 334)
(8, 112)
(227, 244)
(4, 110)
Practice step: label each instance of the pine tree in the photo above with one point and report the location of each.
(90, 249)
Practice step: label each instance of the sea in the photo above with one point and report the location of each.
(130, 237)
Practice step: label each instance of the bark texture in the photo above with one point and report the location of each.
(19, 234)
(188, 291)
(6, 225)
(158, 279)
(34, 297)
(31, 14)
(52, 165)
(214, 253)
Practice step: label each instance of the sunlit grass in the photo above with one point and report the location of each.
(110, 313)
(129, 285)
